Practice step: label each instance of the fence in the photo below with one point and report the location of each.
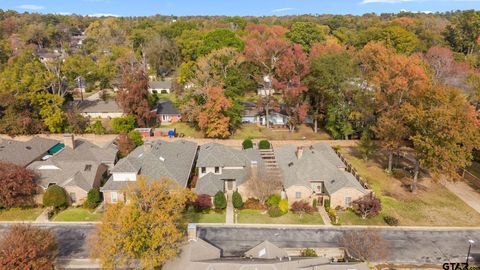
(352, 170)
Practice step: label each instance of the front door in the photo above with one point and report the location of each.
(229, 185)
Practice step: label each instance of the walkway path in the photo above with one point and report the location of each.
(465, 193)
(325, 217)
(230, 212)
(43, 216)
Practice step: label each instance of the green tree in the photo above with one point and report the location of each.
(218, 39)
(136, 137)
(96, 128)
(219, 201)
(402, 40)
(123, 124)
(93, 198)
(237, 200)
(463, 32)
(55, 196)
(307, 34)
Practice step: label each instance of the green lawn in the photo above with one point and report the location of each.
(262, 217)
(211, 217)
(185, 129)
(77, 214)
(256, 132)
(431, 205)
(18, 214)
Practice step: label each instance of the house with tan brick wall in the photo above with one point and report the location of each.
(316, 172)
(78, 167)
(154, 161)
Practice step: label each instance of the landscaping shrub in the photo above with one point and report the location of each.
(264, 144)
(274, 211)
(392, 221)
(55, 196)
(326, 204)
(247, 144)
(314, 204)
(123, 124)
(368, 206)
(283, 205)
(220, 201)
(302, 207)
(273, 199)
(136, 137)
(237, 200)
(309, 252)
(96, 128)
(252, 203)
(202, 203)
(93, 198)
(332, 214)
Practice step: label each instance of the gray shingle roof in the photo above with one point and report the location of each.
(218, 155)
(160, 85)
(166, 107)
(313, 165)
(95, 106)
(24, 153)
(172, 160)
(266, 250)
(329, 154)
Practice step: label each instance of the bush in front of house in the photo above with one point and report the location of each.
(264, 144)
(136, 137)
(55, 196)
(123, 124)
(237, 200)
(96, 128)
(283, 205)
(202, 203)
(368, 206)
(314, 204)
(253, 203)
(93, 198)
(273, 199)
(309, 252)
(247, 144)
(220, 201)
(326, 204)
(274, 211)
(302, 207)
(332, 214)
(391, 221)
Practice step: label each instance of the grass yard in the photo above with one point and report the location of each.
(77, 214)
(431, 205)
(262, 217)
(210, 217)
(256, 132)
(187, 130)
(19, 214)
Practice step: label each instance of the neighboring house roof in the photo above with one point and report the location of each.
(173, 160)
(266, 250)
(160, 85)
(166, 107)
(24, 153)
(313, 165)
(95, 106)
(74, 167)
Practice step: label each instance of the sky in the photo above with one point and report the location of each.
(233, 7)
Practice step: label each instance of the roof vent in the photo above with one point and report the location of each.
(162, 159)
(290, 164)
(28, 147)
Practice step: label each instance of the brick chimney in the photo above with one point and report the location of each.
(69, 140)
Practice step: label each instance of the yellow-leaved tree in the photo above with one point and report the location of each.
(147, 230)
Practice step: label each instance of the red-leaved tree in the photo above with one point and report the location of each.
(202, 203)
(368, 206)
(27, 247)
(17, 185)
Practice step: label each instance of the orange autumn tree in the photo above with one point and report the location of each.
(212, 119)
(147, 230)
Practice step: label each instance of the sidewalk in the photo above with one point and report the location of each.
(229, 214)
(465, 193)
(43, 217)
(325, 217)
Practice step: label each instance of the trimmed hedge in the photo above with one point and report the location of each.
(237, 200)
(391, 221)
(275, 211)
(93, 198)
(220, 201)
(264, 144)
(55, 196)
(247, 144)
(283, 205)
(309, 252)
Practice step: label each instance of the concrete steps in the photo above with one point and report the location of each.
(271, 165)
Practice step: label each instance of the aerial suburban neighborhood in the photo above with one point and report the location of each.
(321, 135)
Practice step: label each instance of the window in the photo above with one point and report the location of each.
(73, 197)
(348, 201)
(217, 169)
(298, 195)
(204, 170)
(114, 197)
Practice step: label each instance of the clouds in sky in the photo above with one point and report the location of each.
(31, 7)
(282, 9)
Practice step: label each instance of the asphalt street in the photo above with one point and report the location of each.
(405, 245)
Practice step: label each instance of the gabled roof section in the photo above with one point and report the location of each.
(24, 153)
(166, 107)
(266, 250)
(218, 155)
